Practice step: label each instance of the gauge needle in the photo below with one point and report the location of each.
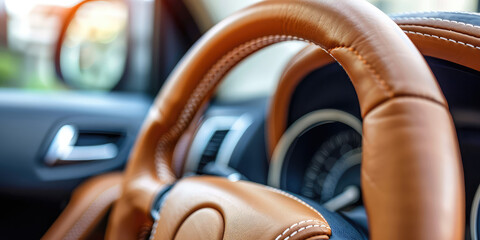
(349, 196)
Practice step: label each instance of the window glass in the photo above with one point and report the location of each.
(257, 75)
(29, 30)
(94, 52)
(209, 12)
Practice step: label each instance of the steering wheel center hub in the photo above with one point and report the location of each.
(205, 223)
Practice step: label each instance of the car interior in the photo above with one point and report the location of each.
(253, 119)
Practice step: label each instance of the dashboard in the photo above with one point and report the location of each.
(330, 141)
(319, 155)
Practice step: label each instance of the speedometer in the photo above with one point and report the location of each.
(334, 167)
(319, 157)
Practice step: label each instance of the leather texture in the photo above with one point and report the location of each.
(426, 183)
(449, 40)
(450, 36)
(236, 210)
(394, 86)
(88, 205)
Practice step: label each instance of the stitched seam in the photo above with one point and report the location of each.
(213, 76)
(436, 19)
(296, 199)
(434, 28)
(293, 225)
(419, 12)
(96, 206)
(381, 82)
(443, 38)
(209, 80)
(301, 229)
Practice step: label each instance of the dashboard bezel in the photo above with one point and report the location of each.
(312, 119)
(474, 215)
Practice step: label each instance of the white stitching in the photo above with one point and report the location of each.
(443, 38)
(436, 19)
(436, 28)
(419, 12)
(296, 199)
(293, 225)
(301, 229)
(97, 205)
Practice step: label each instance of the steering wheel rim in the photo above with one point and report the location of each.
(409, 139)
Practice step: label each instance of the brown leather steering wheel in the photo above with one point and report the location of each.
(412, 179)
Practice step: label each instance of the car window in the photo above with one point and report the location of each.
(209, 12)
(29, 31)
(93, 55)
(249, 78)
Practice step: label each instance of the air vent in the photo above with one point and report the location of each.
(211, 150)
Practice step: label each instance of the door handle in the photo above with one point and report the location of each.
(63, 149)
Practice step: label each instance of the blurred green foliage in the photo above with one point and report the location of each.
(15, 73)
(9, 68)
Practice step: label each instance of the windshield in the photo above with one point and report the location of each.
(209, 12)
(257, 76)
(29, 30)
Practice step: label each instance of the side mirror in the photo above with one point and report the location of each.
(92, 48)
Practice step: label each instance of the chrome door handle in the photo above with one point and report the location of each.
(63, 149)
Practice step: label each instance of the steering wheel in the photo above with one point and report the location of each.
(412, 178)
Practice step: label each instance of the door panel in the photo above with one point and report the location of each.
(29, 121)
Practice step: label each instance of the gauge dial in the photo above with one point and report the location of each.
(319, 157)
(334, 167)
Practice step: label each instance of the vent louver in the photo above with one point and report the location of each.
(211, 150)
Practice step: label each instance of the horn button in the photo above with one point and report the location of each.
(205, 223)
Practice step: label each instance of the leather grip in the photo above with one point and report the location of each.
(408, 130)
